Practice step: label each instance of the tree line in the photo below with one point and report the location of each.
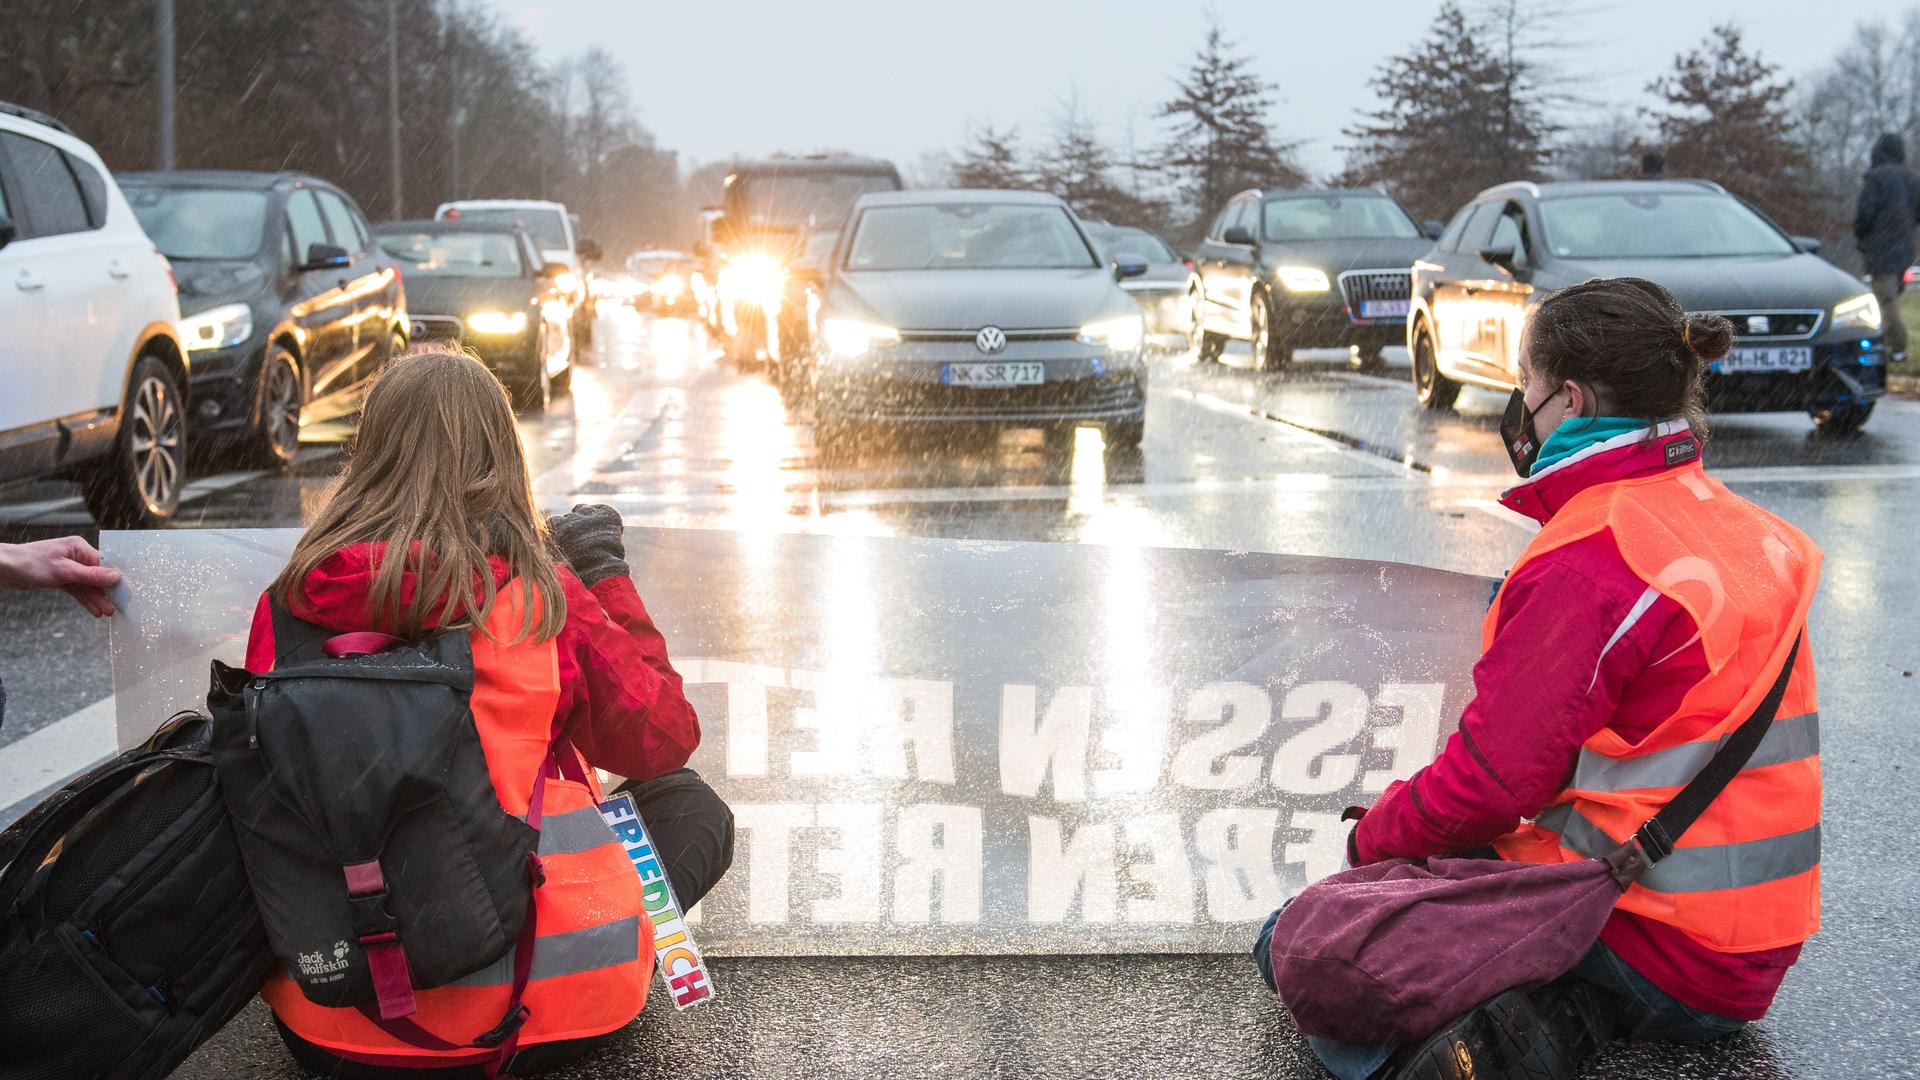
(1484, 97)
(304, 87)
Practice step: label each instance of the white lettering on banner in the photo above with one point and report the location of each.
(1056, 874)
(853, 864)
(860, 723)
(1415, 739)
(769, 827)
(916, 713)
(1165, 872)
(1326, 845)
(1027, 750)
(1205, 762)
(935, 839)
(746, 711)
(1136, 734)
(1339, 712)
(1236, 846)
(842, 705)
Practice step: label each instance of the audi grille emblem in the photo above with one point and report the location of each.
(990, 340)
(1759, 324)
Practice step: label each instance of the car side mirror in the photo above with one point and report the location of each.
(1433, 228)
(1127, 265)
(7, 230)
(1238, 234)
(1502, 257)
(1809, 244)
(326, 257)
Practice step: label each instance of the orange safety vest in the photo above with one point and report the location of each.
(593, 953)
(1746, 876)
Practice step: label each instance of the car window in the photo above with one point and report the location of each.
(547, 227)
(1510, 231)
(1134, 242)
(1639, 224)
(49, 192)
(1450, 239)
(968, 236)
(93, 189)
(1479, 226)
(455, 254)
(201, 223)
(340, 221)
(1244, 215)
(1336, 217)
(1220, 222)
(303, 217)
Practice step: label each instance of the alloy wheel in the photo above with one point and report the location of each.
(155, 438)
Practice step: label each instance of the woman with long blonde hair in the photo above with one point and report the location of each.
(432, 529)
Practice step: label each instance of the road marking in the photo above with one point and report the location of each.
(62, 511)
(42, 760)
(1380, 461)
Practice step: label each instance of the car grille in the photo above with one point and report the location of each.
(1067, 399)
(1063, 334)
(1359, 285)
(436, 328)
(1775, 325)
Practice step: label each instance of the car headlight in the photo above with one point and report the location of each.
(497, 322)
(226, 325)
(1861, 312)
(1301, 278)
(1121, 335)
(849, 338)
(754, 279)
(567, 282)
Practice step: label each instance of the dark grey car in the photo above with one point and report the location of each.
(1167, 292)
(979, 307)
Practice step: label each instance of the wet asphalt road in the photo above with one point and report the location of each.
(1319, 461)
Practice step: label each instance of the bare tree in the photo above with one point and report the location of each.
(1220, 139)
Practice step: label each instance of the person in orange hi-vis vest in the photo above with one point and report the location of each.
(1633, 634)
(432, 527)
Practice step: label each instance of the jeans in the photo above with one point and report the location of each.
(1887, 289)
(1641, 1010)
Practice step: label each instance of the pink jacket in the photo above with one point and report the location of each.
(1582, 644)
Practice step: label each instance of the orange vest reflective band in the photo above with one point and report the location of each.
(1746, 876)
(593, 956)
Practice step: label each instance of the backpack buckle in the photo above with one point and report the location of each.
(504, 1030)
(367, 896)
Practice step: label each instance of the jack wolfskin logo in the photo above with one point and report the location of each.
(339, 950)
(316, 963)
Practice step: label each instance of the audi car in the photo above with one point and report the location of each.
(1808, 335)
(1287, 270)
(976, 307)
(1167, 292)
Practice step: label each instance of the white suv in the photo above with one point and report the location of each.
(92, 376)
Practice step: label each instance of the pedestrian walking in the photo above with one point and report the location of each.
(67, 563)
(1637, 630)
(1883, 224)
(432, 528)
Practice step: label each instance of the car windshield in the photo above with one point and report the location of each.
(1638, 225)
(452, 254)
(1139, 242)
(793, 200)
(547, 227)
(819, 246)
(1336, 217)
(201, 223)
(968, 236)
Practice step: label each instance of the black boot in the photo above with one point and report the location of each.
(1550, 1034)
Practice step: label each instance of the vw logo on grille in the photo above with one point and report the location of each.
(421, 330)
(990, 340)
(1759, 324)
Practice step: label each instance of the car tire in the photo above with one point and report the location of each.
(1271, 352)
(563, 382)
(1840, 419)
(1212, 346)
(137, 486)
(275, 435)
(1434, 389)
(1367, 358)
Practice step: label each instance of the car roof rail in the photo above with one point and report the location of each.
(1698, 182)
(1253, 191)
(36, 116)
(1527, 186)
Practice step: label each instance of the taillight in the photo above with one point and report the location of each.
(1189, 263)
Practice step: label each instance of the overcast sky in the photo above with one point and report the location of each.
(900, 78)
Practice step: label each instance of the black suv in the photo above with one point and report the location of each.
(287, 306)
(1808, 335)
(1307, 269)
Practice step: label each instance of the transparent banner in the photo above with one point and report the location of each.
(936, 746)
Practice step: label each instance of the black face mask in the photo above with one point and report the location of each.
(1516, 431)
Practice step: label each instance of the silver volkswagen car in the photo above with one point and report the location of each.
(976, 307)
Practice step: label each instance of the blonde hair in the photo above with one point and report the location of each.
(437, 462)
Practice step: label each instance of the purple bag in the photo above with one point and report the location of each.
(1393, 951)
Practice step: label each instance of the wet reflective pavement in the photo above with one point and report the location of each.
(1318, 461)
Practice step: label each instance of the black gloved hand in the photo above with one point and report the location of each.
(589, 538)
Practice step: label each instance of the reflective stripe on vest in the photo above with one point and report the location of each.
(1746, 876)
(568, 953)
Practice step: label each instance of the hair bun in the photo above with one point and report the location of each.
(1707, 337)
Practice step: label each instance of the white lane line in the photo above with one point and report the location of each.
(43, 759)
(26, 513)
(1219, 404)
(1784, 474)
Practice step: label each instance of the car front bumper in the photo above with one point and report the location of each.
(905, 385)
(1848, 369)
(225, 389)
(1324, 321)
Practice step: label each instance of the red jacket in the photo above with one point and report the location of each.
(1582, 644)
(620, 699)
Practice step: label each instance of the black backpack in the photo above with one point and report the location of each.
(380, 856)
(128, 935)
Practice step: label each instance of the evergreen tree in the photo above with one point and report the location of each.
(1079, 168)
(1220, 141)
(991, 159)
(1436, 141)
(1725, 118)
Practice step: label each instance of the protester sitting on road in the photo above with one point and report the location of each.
(1652, 601)
(1883, 224)
(67, 563)
(431, 528)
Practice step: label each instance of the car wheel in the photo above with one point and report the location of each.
(138, 485)
(275, 436)
(1435, 390)
(1211, 346)
(1367, 358)
(1840, 419)
(1270, 351)
(533, 391)
(396, 348)
(563, 382)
